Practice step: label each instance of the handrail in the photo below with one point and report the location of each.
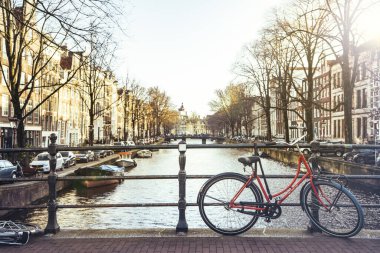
(52, 205)
(144, 177)
(191, 146)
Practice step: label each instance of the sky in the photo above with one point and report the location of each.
(188, 48)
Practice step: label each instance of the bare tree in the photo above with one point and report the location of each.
(159, 104)
(306, 26)
(33, 33)
(137, 102)
(344, 15)
(256, 68)
(96, 80)
(170, 120)
(227, 103)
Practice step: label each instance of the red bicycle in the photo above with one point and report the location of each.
(231, 203)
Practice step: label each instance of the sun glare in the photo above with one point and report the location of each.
(369, 23)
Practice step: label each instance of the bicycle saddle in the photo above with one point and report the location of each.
(248, 160)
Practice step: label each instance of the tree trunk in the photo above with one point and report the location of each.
(347, 87)
(267, 117)
(20, 134)
(309, 109)
(91, 130)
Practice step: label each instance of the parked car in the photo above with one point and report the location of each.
(330, 149)
(41, 162)
(8, 170)
(367, 157)
(84, 156)
(109, 152)
(349, 156)
(119, 143)
(100, 153)
(68, 158)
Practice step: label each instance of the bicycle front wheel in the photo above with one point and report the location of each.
(335, 210)
(214, 199)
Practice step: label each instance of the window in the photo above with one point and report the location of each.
(3, 48)
(358, 127)
(338, 128)
(338, 80)
(364, 127)
(364, 71)
(29, 119)
(364, 100)
(4, 105)
(358, 99)
(4, 79)
(36, 116)
(22, 81)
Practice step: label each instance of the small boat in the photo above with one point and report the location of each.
(126, 163)
(102, 170)
(125, 160)
(145, 153)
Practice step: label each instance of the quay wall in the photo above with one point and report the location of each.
(25, 193)
(334, 165)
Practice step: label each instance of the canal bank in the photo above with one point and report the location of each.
(26, 193)
(336, 166)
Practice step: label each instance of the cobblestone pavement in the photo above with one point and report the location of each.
(196, 244)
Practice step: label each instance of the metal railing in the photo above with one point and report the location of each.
(182, 226)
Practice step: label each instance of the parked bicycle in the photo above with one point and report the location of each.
(17, 233)
(231, 203)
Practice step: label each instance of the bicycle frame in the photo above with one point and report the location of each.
(286, 192)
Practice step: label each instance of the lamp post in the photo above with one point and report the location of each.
(90, 134)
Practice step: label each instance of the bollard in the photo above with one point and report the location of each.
(52, 226)
(314, 167)
(182, 224)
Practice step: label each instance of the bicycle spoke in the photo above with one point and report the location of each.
(337, 211)
(215, 201)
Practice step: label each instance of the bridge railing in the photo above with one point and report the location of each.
(182, 226)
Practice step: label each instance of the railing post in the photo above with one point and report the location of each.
(315, 148)
(52, 225)
(182, 224)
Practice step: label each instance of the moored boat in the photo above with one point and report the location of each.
(126, 163)
(102, 170)
(144, 153)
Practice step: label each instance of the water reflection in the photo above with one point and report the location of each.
(165, 162)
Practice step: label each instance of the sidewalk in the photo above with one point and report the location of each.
(157, 241)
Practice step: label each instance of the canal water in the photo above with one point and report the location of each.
(165, 162)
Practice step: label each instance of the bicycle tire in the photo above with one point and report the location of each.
(345, 216)
(219, 217)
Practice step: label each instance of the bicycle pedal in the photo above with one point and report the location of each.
(268, 220)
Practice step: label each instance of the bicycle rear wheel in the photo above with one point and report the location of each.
(214, 199)
(340, 214)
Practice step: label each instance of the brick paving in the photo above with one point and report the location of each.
(196, 244)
